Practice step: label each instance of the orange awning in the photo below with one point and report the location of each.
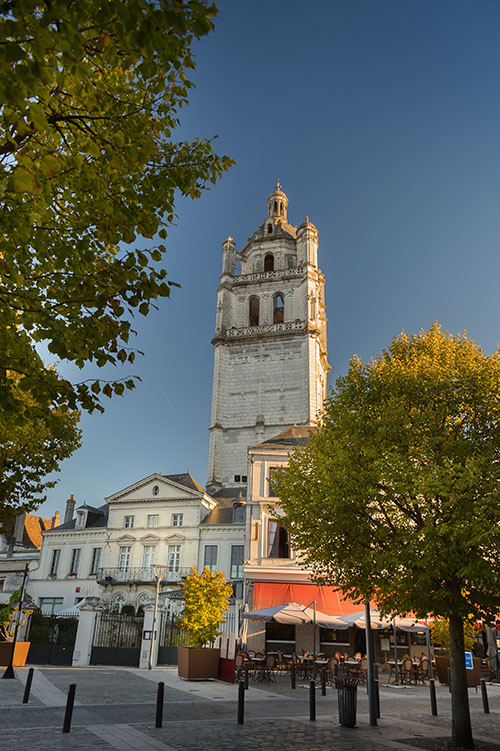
(328, 599)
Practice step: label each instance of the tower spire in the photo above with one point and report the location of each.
(277, 203)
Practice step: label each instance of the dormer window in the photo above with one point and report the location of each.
(81, 519)
(238, 514)
(269, 229)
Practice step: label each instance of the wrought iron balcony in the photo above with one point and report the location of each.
(143, 575)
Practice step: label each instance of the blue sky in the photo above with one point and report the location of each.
(381, 120)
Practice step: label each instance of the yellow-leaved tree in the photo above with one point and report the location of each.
(206, 602)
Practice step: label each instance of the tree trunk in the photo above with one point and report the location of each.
(461, 730)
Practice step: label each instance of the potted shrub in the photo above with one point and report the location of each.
(8, 620)
(206, 602)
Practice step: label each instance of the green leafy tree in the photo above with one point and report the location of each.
(397, 495)
(206, 602)
(31, 449)
(90, 94)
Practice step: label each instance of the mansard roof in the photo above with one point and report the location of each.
(33, 528)
(96, 517)
(187, 480)
(223, 512)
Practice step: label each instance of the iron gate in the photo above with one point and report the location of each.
(171, 637)
(52, 639)
(117, 640)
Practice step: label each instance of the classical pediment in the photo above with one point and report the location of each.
(160, 488)
(175, 538)
(125, 538)
(150, 538)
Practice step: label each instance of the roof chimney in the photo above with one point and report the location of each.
(56, 520)
(70, 507)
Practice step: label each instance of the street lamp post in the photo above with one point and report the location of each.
(9, 671)
(370, 676)
(428, 643)
(158, 570)
(396, 681)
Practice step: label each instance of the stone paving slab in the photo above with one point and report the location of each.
(201, 718)
(12, 691)
(97, 685)
(79, 739)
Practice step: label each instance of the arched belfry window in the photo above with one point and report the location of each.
(253, 311)
(269, 262)
(276, 207)
(278, 308)
(269, 229)
(281, 209)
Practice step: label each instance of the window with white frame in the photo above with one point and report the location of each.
(148, 556)
(50, 605)
(81, 519)
(237, 553)
(96, 560)
(210, 559)
(152, 520)
(270, 492)
(128, 522)
(124, 557)
(177, 520)
(174, 557)
(54, 563)
(75, 560)
(277, 541)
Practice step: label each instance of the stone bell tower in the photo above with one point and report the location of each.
(271, 362)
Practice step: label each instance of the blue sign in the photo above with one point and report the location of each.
(469, 663)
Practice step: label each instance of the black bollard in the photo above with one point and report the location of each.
(484, 694)
(241, 702)
(323, 682)
(449, 680)
(27, 688)
(377, 697)
(159, 704)
(245, 675)
(293, 674)
(432, 688)
(312, 700)
(69, 708)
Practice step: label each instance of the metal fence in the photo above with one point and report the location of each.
(230, 626)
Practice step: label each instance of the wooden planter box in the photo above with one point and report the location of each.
(198, 664)
(473, 676)
(20, 653)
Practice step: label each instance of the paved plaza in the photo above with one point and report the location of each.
(115, 709)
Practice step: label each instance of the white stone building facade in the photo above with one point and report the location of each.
(110, 552)
(270, 365)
